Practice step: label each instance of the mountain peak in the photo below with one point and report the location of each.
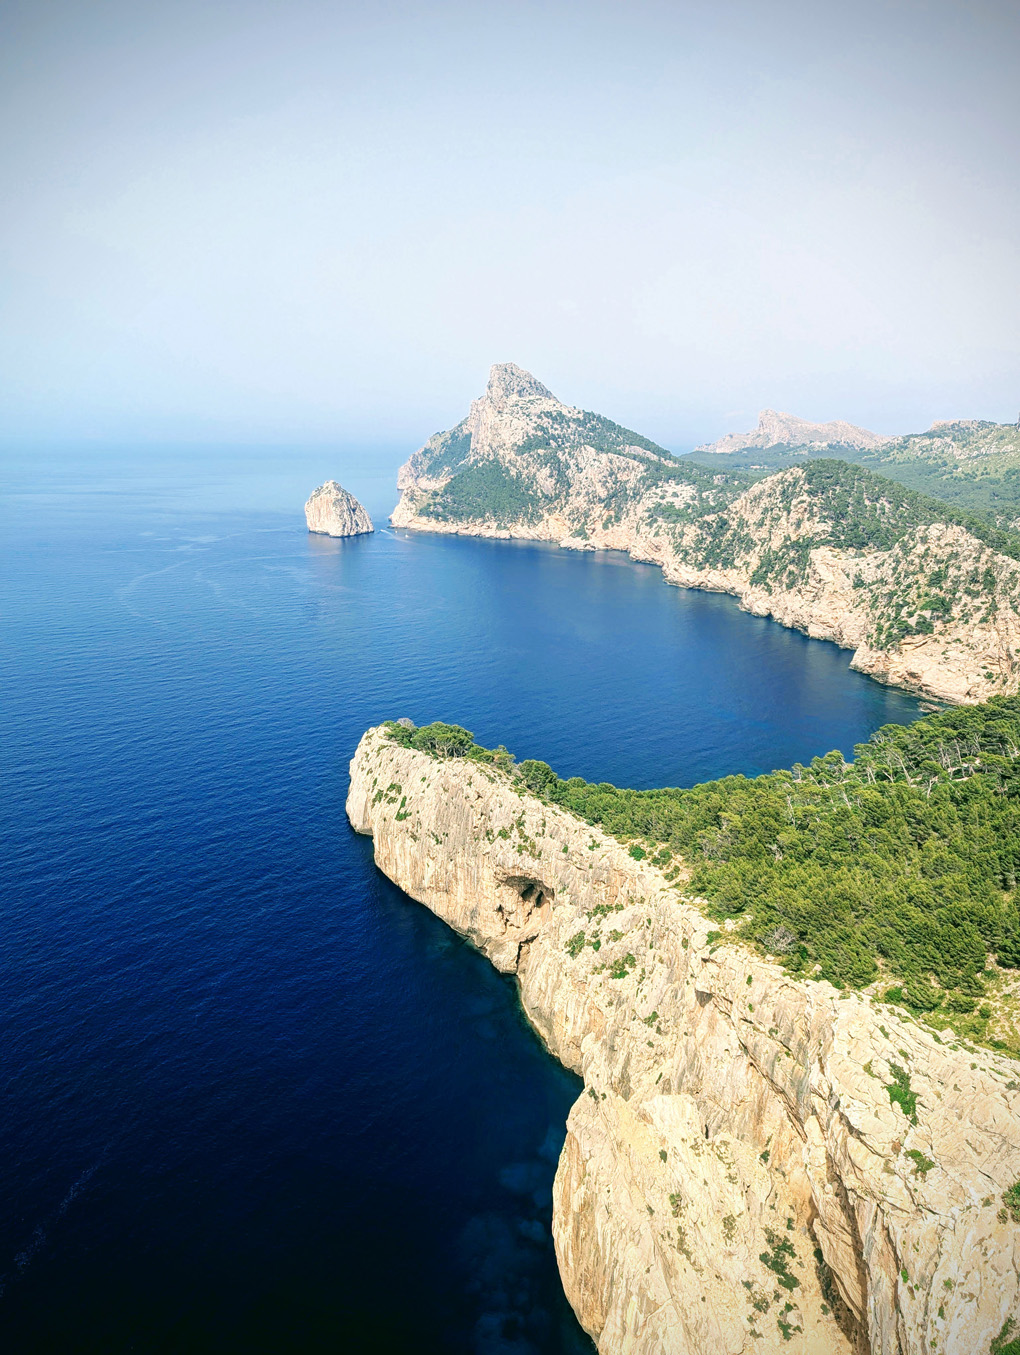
(507, 381)
(776, 429)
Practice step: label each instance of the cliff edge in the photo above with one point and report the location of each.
(757, 1162)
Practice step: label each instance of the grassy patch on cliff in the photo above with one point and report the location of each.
(486, 491)
(900, 866)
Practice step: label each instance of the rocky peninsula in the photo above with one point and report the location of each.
(332, 511)
(926, 597)
(758, 1162)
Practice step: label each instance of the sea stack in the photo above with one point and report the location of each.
(331, 511)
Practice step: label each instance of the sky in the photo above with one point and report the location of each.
(311, 222)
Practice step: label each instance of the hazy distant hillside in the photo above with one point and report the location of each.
(973, 464)
(777, 430)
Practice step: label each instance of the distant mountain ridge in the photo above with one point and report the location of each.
(787, 430)
(973, 464)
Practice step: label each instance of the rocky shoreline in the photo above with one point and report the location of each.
(961, 664)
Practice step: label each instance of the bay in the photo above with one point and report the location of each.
(255, 1099)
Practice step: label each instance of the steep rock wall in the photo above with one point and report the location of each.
(332, 510)
(735, 1176)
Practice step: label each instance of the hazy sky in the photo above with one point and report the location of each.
(304, 221)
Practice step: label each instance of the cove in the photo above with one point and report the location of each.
(256, 1098)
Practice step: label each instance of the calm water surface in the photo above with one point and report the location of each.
(254, 1098)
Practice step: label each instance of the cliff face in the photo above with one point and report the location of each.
(786, 430)
(826, 547)
(756, 1163)
(936, 611)
(332, 511)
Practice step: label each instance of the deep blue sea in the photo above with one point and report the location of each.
(254, 1098)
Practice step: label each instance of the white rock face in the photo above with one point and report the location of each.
(733, 1120)
(786, 430)
(333, 512)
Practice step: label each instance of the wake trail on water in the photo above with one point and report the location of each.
(42, 1230)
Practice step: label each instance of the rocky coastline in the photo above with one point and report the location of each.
(756, 1163)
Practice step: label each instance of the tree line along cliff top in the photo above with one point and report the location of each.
(895, 872)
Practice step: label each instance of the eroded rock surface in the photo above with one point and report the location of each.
(736, 1176)
(332, 511)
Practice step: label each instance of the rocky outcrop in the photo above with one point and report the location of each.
(755, 1163)
(826, 547)
(332, 511)
(512, 428)
(786, 430)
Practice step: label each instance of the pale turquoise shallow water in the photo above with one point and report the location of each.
(255, 1099)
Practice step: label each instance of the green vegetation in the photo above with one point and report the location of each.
(904, 861)
(901, 865)
(778, 1259)
(595, 430)
(622, 967)
(974, 465)
(558, 431)
(447, 451)
(1002, 1344)
(900, 1093)
(867, 512)
(785, 1327)
(843, 504)
(922, 1164)
(575, 945)
(486, 490)
(489, 490)
(1011, 1201)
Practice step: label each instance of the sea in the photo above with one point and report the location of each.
(254, 1098)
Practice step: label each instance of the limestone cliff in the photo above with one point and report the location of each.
(925, 598)
(786, 430)
(738, 1174)
(332, 511)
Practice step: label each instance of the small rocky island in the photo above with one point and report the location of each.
(332, 511)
